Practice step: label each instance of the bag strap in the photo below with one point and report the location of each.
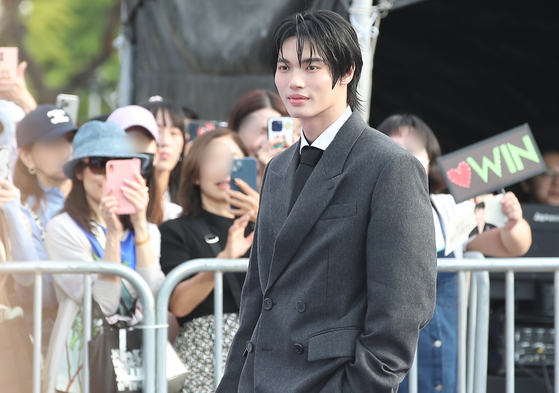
(212, 241)
(37, 221)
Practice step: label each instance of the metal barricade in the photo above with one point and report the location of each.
(498, 265)
(472, 330)
(473, 367)
(219, 266)
(88, 268)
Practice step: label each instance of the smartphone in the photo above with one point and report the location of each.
(70, 103)
(281, 126)
(244, 169)
(9, 60)
(200, 127)
(117, 172)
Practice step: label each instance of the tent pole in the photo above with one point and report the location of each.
(365, 19)
(124, 45)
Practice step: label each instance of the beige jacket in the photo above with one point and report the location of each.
(65, 241)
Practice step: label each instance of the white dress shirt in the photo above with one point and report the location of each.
(324, 139)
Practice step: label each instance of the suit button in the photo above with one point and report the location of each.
(250, 347)
(268, 304)
(439, 388)
(301, 306)
(298, 348)
(438, 344)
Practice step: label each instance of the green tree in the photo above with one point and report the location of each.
(67, 44)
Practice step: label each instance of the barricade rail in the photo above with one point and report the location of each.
(87, 269)
(178, 274)
(509, 266)
(472, 324)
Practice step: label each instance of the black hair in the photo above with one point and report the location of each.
(102, 117)
(479, 206)
(330, 36)
(393, 125)
(187, 112)
(176, 116)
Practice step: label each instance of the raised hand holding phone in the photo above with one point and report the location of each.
(243, 201)
(8, 61)
(12, 80)
(70, 103)
(281, 127)
(118, 171)
(137, 193)
(243, 196)
(108, 207)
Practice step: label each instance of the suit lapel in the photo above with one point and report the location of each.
(314, 198)
(282, 187)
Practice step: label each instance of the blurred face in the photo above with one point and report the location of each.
(254, 129)
(93, 177)
(143, 142)
(544, 188)
(409, 140)
(306, 89)
(215, 168)
(171, 143)
(48, 157)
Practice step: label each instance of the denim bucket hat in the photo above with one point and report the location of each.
(101, 139)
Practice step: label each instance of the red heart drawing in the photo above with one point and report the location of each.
(460, 176)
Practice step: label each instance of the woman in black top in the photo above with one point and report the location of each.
(206, 198)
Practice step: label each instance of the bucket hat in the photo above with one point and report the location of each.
(101, 139)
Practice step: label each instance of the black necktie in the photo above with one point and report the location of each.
(309, 158)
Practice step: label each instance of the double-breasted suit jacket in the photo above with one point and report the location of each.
(338, 289)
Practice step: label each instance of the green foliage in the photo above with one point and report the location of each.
(63, 36)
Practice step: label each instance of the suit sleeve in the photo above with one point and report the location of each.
(401, 265)
(251, 304)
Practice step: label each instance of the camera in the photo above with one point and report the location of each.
(277, 125)
(237, 166)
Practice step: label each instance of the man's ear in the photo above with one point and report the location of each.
(26, 158)
(348, 77)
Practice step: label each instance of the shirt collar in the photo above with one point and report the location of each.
(324, 139)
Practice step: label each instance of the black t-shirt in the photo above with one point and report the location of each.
(182, 239)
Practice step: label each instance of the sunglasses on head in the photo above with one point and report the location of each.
(98, 165)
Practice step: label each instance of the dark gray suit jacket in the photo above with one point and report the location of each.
(337, 291)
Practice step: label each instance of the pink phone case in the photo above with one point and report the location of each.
(8, 60)
(117, 172)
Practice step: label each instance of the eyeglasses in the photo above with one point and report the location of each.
(98, 165)
(550, 174)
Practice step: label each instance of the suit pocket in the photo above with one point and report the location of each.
(333, 343)
(339, 211)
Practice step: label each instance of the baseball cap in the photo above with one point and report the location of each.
(44, 123)
(135, 116)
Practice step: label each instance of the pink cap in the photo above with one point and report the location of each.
(135, 116)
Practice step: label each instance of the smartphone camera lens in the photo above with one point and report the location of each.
(237, 166)
(111, 169)
(277, 125)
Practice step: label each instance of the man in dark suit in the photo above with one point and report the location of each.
(343, 266)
